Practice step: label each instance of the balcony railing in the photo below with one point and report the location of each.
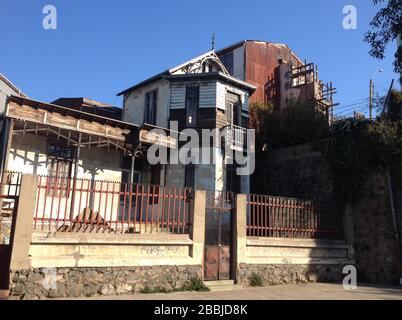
(236, 137)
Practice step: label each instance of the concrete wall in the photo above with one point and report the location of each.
(295, 251)
(109, 250)
(280, 261)
(283, 260)
(102, 264)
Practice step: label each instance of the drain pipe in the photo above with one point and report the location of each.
(395, 223)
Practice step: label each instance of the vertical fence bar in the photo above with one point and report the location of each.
(290, 218)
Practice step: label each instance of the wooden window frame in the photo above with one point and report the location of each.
(57, 158)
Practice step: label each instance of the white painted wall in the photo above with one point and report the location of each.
(134, 104)
(28, 155)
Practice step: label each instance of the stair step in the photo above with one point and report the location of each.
(222, 285)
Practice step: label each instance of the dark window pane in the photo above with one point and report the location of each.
(212, 227)
(192, 102)
(151, 104)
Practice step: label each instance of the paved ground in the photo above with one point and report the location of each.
(284, 292)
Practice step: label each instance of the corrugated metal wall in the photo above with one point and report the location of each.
(261, 61)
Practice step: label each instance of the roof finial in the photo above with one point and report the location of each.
(213, 40)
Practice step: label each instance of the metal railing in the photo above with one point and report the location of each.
(92, 206)
(10, 184)
(292, 218)
(236, 137)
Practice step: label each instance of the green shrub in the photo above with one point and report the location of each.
(194, 284)
(148, 290)
(256, 280)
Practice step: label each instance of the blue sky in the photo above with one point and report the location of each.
(103, 47)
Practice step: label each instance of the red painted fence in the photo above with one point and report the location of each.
(292, 218)
(85, 205)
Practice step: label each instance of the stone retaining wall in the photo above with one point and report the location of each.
(87, 282)
(275, 274)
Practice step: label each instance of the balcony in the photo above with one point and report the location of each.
(236, 138)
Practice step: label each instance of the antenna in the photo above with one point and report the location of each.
(213, 40)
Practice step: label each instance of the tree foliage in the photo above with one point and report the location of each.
(354, 148)
(296, 124)
(385, 28)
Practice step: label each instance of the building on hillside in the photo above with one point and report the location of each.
(198, 94)
(75, 152)
(46, 139)
(279, 75)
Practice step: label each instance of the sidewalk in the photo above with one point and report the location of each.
(316, 291)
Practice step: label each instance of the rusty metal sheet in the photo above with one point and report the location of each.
(211, 266)
(262, 59)
(224, 263)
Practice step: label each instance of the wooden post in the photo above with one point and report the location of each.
(8, 137)
(77, 158)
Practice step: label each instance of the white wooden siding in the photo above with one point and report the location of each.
(221, 96)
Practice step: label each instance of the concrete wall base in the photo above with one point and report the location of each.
(86, 282)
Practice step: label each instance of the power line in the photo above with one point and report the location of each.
(365, 107)
(354, 104)
(353, 108)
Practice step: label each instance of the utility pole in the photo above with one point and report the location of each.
(371, 98)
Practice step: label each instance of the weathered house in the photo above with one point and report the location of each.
(278, 74)
(64, 145)
(198, 94)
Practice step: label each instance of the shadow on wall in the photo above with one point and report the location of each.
(295, 172)
(374, 241)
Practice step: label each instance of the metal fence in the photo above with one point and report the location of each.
(292, 218)
(93, 206)
(10, 183)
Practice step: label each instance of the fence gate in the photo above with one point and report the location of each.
(218, 235)
(9, 194)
